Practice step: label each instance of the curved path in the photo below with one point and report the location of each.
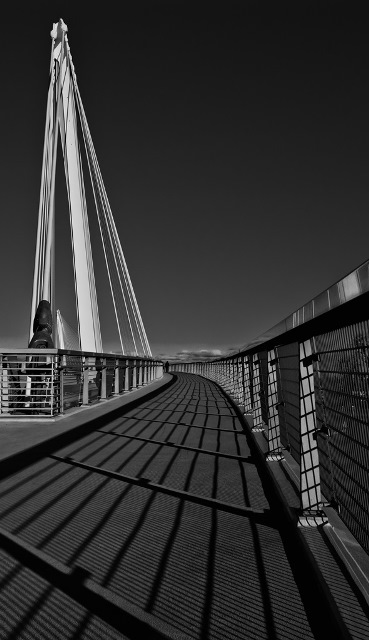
(155, 526)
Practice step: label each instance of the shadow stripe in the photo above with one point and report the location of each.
(181, 446)
(202, 413)
(127, 618)
(262, 516)
(182, 424)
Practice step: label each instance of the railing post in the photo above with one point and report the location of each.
(215, 371)
(223, 374)
(145, 372)
(256, 387)
(242, 387)
(236, 380)
(116, 377)
(247, 391)
(310, 493)
(134, 375)
(126, 377)
(274, 436)
(239, 381)
(226, 377)
(85, 380)
(233, 365)
(62, 366)
(4, 387)
(103, 378)
(140, 366)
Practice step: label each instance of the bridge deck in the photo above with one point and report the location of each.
(156, 525)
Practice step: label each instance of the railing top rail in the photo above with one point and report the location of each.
(344, 302)
(67, 352)
(351, 286)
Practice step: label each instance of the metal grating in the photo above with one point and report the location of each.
(342, 402)
(256, 389)
(263, 359)
(273, 402)
(289, 410)
(247, 384)
(29, 385)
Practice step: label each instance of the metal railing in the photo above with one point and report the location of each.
(305, 386)
(47, 382)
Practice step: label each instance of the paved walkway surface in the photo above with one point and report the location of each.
(27, 432)
(156, 524)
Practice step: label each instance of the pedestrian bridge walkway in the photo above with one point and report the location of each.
(162, 523)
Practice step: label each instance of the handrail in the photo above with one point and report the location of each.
(69, 352)
(341, 297)
(48, 382)
(303, 388)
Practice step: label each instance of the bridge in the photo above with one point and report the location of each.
(226, 498)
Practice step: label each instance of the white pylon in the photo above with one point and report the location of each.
(61, 114)
(64, 103)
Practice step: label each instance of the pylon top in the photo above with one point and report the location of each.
(58, 28)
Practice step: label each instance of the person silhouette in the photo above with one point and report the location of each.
(166, 367)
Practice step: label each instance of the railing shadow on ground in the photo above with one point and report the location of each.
(97, 539)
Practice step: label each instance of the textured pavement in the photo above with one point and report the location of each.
(156, 525)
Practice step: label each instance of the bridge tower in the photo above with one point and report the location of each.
(64, 105)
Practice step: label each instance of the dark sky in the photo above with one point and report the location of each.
(233, 139)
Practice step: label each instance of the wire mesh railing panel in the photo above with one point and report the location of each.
(342, 403)
(110, 377)
(240, 389)
(29, 385)
(47, 382)
(94, 380)
(289, 394)
(263, 369)
(314, 390)
(247, 384)
(72, 382)
(274, 441)
(131, 375)
(122, 372)
(256, 391)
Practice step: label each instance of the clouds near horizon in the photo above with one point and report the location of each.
(195, 356)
